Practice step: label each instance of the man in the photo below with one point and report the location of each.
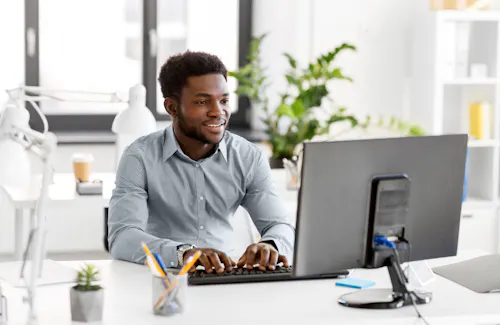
(177, 189)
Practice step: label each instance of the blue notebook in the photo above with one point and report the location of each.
(355, 283)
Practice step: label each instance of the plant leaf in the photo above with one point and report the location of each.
(285, 110)
(298, 108)
(291, 60)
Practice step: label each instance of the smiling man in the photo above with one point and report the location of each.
(177, 189)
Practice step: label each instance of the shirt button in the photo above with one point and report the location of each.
(172, 263)
(201, 198)
(201, 227)
(197, 166)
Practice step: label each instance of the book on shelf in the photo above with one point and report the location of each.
(459, 4)
(480, 120)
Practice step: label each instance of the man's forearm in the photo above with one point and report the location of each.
(126, 245)
(283, 237)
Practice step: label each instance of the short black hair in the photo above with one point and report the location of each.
(178, 68)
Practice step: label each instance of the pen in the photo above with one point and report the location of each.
(150, 264)
(153, 260)
(160, 262)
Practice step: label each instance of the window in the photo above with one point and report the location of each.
(108, 46)
(11, 36)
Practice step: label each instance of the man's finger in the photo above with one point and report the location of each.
(284, 260)
(242, 260)
(251, 253)
(214, 258)
(273, 259)
(264, 253)
(226, 261)
(205, 261)
(233, 263)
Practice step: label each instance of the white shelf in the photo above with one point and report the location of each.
(470, 16)
(471, 81)
(483, 143)
(472, 203)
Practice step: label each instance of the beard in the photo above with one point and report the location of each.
(192, 132)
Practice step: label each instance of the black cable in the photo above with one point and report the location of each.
(396, 254)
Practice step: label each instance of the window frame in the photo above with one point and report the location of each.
(101, 123)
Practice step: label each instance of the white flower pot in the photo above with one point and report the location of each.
(86, 306)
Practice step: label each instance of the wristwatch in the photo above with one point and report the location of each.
(181, 249)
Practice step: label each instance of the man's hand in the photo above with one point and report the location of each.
(263, 254)
(211, 259)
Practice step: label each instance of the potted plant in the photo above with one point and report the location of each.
(87, 296)
(305, 111)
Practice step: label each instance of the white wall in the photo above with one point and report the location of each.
(307, 29)
(379, 29)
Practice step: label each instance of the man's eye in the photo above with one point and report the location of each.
(225, 101)
(201, 102)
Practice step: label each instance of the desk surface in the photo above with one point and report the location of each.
(128, 301)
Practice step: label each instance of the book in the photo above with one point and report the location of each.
(480, 120)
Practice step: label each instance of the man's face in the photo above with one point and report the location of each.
(203, 112)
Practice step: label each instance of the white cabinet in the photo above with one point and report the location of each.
(479, 230)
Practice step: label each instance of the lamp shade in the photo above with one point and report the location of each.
(15, 168)
(136, 119)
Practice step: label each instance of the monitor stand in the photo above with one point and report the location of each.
(396, 297)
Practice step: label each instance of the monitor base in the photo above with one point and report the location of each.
(398, 296)
(383, 299)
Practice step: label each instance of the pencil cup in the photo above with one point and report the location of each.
(169, 298)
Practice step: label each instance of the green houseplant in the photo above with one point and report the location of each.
(87, 296)
(301, 114)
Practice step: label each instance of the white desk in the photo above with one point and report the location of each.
(63, 189)
(128, 301)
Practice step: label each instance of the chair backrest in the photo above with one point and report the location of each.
(105, 239)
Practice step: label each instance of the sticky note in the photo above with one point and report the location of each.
(355, 283)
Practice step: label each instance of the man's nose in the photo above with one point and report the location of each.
(216, 109)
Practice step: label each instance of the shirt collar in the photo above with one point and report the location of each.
(171, 145)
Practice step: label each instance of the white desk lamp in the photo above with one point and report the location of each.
(17, 138)
(133, 122)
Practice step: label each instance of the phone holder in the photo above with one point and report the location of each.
(419, 273)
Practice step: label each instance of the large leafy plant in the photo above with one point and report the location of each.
(301, 114)
(301, 102)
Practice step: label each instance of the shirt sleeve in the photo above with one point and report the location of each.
(128, 215)
(267, 210)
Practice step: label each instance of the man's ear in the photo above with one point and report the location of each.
(170, 104)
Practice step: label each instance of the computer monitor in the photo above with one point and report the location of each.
(338, 201)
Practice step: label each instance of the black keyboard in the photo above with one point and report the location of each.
(243, 275)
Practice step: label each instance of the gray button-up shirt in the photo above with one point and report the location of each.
(165, 199)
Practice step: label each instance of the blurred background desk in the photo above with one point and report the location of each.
(63, 190)
(68, 210)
